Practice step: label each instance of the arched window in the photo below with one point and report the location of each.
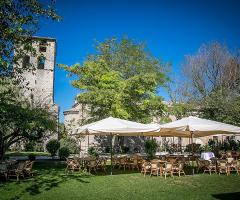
(26, 61)
(41, 62)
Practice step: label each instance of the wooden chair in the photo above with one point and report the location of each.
(92, 165)
(146, 168)
(72, 165)
(229, 154)
(234, 167)
(18, 172)
(223, 167)
(134, 164)
(155, 168)
(168, 169)
(200, 164)
(178, 169)
(115, 162)
(172, 160)
(209, 167)
(122, 163)
(28, 168)
(102, 164)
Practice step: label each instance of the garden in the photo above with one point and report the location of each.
(50, 181)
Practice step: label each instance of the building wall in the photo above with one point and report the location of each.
(38, 84)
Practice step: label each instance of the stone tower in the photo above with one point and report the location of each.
(38, 83)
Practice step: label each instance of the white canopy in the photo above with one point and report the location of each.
(198, 127)
(116, 126)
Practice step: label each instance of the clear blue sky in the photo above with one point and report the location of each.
(171, 29)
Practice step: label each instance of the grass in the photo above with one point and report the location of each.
(51, 182)
(27, 153)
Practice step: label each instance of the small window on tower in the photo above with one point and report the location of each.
(26, 61)
(41, 62)
(43, 46)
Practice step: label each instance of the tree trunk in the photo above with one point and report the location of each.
(2, 149)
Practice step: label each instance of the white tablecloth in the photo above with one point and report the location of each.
(207, 155)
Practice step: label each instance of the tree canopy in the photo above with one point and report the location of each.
(19, 20)
(120, 80)
(210, 85)
(19, 120)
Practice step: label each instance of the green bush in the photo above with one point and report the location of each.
(63, 153)
(151, 148)
(195, 148)
(71, 144)
(93, 152)
(29, 146)
(125, 149)
(53, 146)
(107, 149)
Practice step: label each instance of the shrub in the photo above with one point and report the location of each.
(53, 146)
(107, 149)
(93, 152)
(151, 148)
(70, 144)
(125, 149)
(195, 148)
(64, 152)
(29, 146)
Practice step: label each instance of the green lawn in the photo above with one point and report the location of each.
(50, 182)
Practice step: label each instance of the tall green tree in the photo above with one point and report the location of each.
(19, 20)
(120, 80)
(20, 121)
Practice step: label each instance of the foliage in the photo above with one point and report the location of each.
(19, 20)
(210, 85)
(21, 121)
(172, 148)
(93, 152)
(64, 152)
(195, 148)
(107, 149)
(29, 146)
(121, 80)
(180, 110)
(125, 149)
(70, 144)
(52, 147)
(225, 145)
(151, 147)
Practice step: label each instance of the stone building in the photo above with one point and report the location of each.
(38, 82)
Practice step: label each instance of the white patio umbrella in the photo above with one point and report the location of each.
(115, 126)
(196, 127)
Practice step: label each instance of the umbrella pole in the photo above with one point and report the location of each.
(192, 152)
(111, 153)
(192, 142)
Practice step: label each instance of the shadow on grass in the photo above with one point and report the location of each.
(51, 175)
(46, 177)
(227, 196)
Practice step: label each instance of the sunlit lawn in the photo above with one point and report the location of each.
(51, 182)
